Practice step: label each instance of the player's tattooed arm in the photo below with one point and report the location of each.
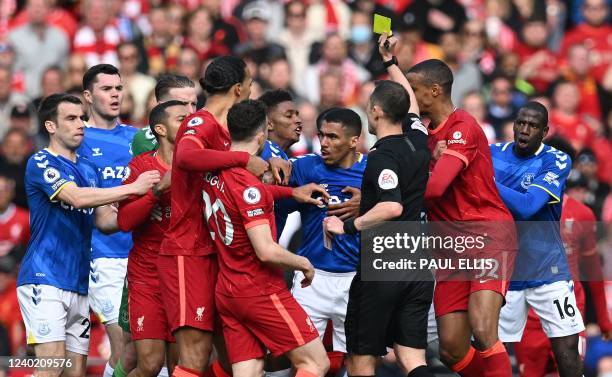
(395, 73)
(269, 252)
(106, 219)
(91, 197)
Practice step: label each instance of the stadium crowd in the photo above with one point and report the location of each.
(502, 53)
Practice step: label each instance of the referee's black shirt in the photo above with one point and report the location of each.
(397, 171)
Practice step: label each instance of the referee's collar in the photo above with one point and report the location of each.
(389, 137)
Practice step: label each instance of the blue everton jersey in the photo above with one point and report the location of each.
(271, 149)
(60, 244)
(344, 254)
(110, 151)
(541, 258)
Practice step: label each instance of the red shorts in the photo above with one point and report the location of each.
(187, 286)
(147, 315)
(252, 324)
(453, 296)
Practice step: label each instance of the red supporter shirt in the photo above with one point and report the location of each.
(547, 71)
(472, 196)
(187, 233)
(147, 216)
(573, 128)
(598, 40)
(236, 201)
(14, 229)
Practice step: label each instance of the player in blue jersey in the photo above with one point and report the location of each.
(284, 123)
(530, 177)
(63, 188)
(107, 144)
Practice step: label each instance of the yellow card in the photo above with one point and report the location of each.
(381, 25)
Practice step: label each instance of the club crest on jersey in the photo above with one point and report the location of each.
(200, 313)
(51, 175)
(310, 325)
(140, 323)
(387, 179)
(195, 121)
(527, 180)
(251, 195)
(107, 307)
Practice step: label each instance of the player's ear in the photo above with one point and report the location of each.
(237, 88)
(353, 141)
(50, 127)
(160, 129)
(88, 96)
(436, 90)
(545, 132)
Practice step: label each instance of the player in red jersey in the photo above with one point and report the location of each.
(461, 188)
(534, 353)
(187, 263)
(148, 216)
(256, 308)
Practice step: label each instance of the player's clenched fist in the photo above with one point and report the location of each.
(257, 166)
(308, 271)
(145, 181)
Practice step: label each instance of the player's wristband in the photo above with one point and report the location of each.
(349, 227)
(391, 62)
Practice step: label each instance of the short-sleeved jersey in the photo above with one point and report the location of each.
(579, 233)
(60, 243)
(541, 258)
(397, 171)
(344, 253)
(143, 141)
(110, 151)
(271, 149)
(148, 236)
(472, 196)
(236, 201)
(187, 233)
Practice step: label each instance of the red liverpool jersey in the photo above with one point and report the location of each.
(472, 196)
(236, 201)
(187, 233)
(14, 229)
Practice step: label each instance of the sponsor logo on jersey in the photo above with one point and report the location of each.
(195, 121)
(140, 323)
(117, 172)
(551, 179)
(456, 138)
(96, 152)
(387, 179)
(200, 313)
(43, 328)
(51, 175)
(251, 195)
(190, 132)
(255, 212)
(527, 180)
(126, 173)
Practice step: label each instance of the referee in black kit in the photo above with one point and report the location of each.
(382, 314)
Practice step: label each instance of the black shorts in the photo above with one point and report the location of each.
(383, 313)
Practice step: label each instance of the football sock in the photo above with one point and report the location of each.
(471, 365)
(496, 362)
(420, 371)
(304, 373)
(185, 372)
(119, 372)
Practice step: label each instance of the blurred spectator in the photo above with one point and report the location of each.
(412, 49)
(564, 118)
(59, 17)
(474, 47)
(126, 110)
(579, 70)
(309, 141)
(16, 149)
(10, 315)
(199, 35)
(127, 27)
(381, 7)
(137, 84)
(38, 45)
(363, 50)
(23, 117)
(594, 33)
(437, 16)
(499, 34)
(331, 90)
(227, 31)
(51, 82)
(256, 16)
(7, 59)
(8, 99)
(98, 38)
(296, 39)
(501, 107)
(324, 17)
(276, 75)
(176, 18)
(334, 58)
(587, 165)
(14, 220)
(474, 104)
(466, 76)
(189, 65)
(161, 46)
(75, 70)
(539, 66)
